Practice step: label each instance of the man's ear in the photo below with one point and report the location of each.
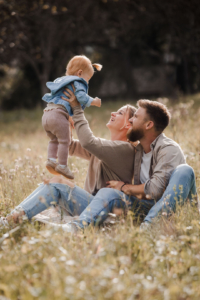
(149, 125)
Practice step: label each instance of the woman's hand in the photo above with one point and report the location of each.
(71, 121)
(114, 184)
(72, 98)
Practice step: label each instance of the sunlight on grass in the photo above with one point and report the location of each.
(117, 262)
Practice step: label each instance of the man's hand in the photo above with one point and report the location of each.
(96, 102)
(114, 184)
(128, 189)
(72, 98)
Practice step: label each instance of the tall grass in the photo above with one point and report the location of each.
(118, 262)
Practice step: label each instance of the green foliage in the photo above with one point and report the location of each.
(118, 262)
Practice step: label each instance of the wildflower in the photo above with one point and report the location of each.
(70, 280)
(174, 252)
(115, 280)
(121, 272)
(70, 262)
(189, 228)
(82, 285)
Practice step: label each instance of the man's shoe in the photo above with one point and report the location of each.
(51, 165)
(3, 222)
(70, 227)
(65, 172)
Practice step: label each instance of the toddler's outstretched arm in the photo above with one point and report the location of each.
(96, 102)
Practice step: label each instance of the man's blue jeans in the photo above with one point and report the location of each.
(182, 186)
(95, 209)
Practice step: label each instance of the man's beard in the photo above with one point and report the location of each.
(135, 135)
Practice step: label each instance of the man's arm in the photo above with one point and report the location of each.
(168, 159)
(128, 189)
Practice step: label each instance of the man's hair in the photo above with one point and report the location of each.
(158, 113)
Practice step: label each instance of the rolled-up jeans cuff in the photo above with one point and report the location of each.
(79, 224)
(33, 205)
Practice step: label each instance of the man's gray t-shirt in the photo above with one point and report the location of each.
(145, 166)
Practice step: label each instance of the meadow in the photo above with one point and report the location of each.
(112, 262)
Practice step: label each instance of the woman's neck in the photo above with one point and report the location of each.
(118, 136)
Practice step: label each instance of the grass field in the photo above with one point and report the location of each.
(118, 262)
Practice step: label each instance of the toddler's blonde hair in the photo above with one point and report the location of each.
(81, 62)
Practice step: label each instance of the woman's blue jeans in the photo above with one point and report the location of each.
(73, 200)
(95, 209)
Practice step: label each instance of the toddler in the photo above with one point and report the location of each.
(57, 114)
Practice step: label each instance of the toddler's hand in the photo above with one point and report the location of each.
(96, 102)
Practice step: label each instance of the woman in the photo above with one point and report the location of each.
(108, 160)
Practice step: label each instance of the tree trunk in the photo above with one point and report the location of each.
(186, 76)
(43, 87)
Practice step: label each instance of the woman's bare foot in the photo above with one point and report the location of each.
(16, 217)
(59, 179)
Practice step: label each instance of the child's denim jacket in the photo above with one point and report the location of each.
(58, 86)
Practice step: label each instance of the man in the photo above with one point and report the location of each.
(160, 172)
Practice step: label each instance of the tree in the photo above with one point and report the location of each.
(44, 34)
